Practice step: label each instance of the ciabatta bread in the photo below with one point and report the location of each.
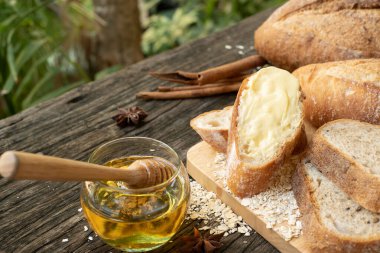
(348, 153)
(303, 32)
(344, 89)
(266, 125)
(331, 221)
(213, 127)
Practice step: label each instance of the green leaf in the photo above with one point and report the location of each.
(26, 81)
(57, 92)
(29, 99)
(28, 52)
(11, 59)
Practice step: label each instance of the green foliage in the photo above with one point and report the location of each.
(194, 19)
(38, 58)
(40, 44)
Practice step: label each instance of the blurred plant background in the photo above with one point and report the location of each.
(48, 47)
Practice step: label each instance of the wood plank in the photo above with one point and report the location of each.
(38, 215)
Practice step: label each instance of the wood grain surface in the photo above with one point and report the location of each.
(36, 216)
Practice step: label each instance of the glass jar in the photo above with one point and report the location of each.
(136, 220)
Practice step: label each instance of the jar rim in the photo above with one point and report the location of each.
(144, 189)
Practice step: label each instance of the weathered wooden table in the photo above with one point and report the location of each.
(36, 216)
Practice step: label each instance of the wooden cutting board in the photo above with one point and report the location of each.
(199, 165)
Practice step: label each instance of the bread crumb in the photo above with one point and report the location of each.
(91, 238)
(65, 240)
(241, 52)
(85, 228)
(241, 47)
(80, 210)
(228, 47)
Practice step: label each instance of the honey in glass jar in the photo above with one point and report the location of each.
(136, 220)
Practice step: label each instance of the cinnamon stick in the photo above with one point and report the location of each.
(214, 74)
(194, 93)
(192, 87)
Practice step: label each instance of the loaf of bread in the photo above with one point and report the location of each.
(331, 221)
(343, 89)
(213, 127)
(303, 32)
(348, 153)
(266, 125)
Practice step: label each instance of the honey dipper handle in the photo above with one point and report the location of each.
(22, 165)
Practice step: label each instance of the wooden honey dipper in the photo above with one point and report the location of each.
(141, 173)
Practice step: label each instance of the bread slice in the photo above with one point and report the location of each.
(331, 220)
(266, 125)
(348, 153)
(344, 89)
(303, 32)
(213, 127)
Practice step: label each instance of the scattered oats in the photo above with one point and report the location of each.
(245, 242)
(228, 47)
(251, 47)
(240, 52)
(277, 206)
(247, 234)
(216, 216)
(91, 238)
(298, 225)
(152, 149)
(80, 210)
(65, 240)
(241, 47)
(242, 230)
(246, 201)
(85, 228)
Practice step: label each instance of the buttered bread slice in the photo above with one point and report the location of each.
(266, 125)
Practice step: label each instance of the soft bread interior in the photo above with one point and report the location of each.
(219, 119)
(269, 112)
(358, 140)
(337, 211)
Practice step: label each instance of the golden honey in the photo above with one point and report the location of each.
(133, 220)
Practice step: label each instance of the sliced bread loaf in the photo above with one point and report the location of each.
(331, 220)
(266, 125)
(348, 153)
(341, 90)
(213, 127)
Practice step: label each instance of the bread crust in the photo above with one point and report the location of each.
(243, 178)
(348, 174)
(320, 239)
(330, 94)
(216, 138)
(302, 32)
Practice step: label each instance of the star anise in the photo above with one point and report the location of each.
(131, 116)
(201, 244)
